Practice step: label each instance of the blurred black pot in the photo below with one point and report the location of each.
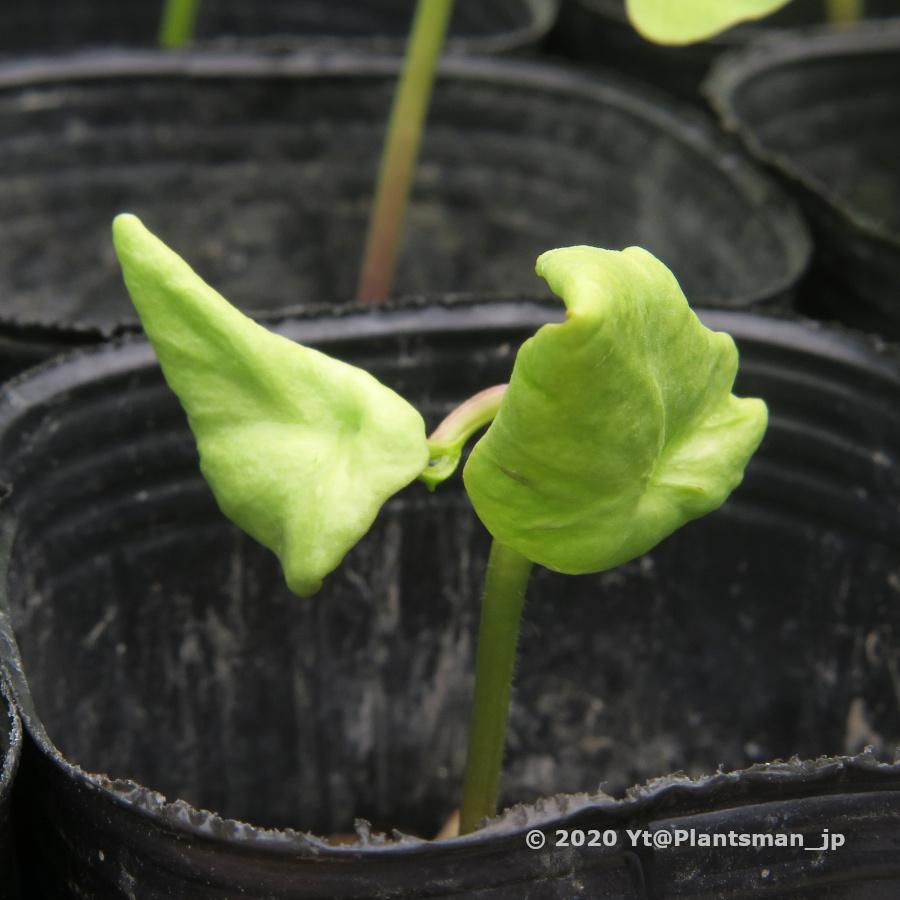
(822, 110)
(161, 646)
(598, 31)
(260, 171)
(46, 26)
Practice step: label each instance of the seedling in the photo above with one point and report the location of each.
(617, 426)
(663, 21)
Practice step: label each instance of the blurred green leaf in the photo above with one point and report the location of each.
(687, 21)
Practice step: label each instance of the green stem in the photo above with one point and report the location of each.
(845, 12)
(498, 634)
(447, 440)
(401, 149)
(177, 25)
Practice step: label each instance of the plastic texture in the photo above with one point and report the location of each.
(821, 109)
(597, 31)
(160, 645)
(376, 25)
(260, 171)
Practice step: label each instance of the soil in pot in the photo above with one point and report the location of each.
(10, 751)
(161, 645)
(261, 171)
(821, 109)
(48, 26)
(598, 31)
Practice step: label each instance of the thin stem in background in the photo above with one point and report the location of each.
(498, 634)
(401, 149)
(845, 12)
(176, 27)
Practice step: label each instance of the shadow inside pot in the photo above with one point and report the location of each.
(161, 645)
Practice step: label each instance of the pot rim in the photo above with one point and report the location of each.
(673, 794)
(324, 323)
(534, 20)
(682, 124)
(9, 763)
(791, 47)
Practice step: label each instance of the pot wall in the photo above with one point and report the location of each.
(161, 645)
(259, 171)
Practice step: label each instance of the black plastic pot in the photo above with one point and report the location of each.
(598, 31)
(260, 171)
(822, 109)
(10, 751)
(161, 646)
(42, 26)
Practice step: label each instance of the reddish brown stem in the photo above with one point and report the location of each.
(401, 150)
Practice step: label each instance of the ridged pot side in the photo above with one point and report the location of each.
(259, 170)
(160, 645)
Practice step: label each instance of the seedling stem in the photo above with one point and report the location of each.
(178, 21)
(845, 12)
(498, 634)
(447, 440)
(401, 149)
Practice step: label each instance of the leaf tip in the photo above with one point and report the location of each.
(303, 587)
(139, 251)
(126, 229)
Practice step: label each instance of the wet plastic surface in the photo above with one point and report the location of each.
(10, 753)
(160, 645)
(822, 109)
(259, 171)
(598, 31)
(477, 27)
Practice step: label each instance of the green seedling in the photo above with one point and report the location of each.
(662, 21)
(404, 133)
(617, 427)
(686, 21)
(178, 22)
